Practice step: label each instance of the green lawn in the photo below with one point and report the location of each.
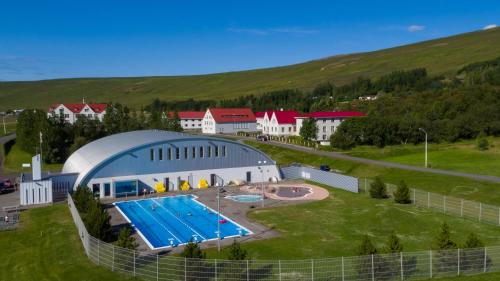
(46, 247)
(451, 52)
(460, 156)
(448, 185)
(16, 157)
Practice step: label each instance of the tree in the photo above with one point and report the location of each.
(473, 255)
(193, 251)
(473, 241)
(125, 239)
(378, 189)
(97, 221)
(236, 252)
(29, 124)
(445, 259)
(402, 194)
(82, 197)
(366, 247)
(482, 143)
(443, 239)
(365, 252)
(195, 259)
(309, 131)
(393, 244)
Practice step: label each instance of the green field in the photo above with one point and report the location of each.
(46, 247)
(15, 157)
(448, 185)
(441, 56)
(460, 156)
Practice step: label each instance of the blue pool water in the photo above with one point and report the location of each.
(171, 221)
(246, 198)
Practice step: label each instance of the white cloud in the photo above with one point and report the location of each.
(249, 31)
(415, 28)
(294, 30)
(489, 26)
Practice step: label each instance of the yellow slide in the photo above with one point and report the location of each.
(203, 183)
(185, 186)
(160, 187)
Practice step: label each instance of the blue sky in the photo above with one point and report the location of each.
(59, 39)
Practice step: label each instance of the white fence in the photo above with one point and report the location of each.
(448, 205)
(328, 178)
(387, 267)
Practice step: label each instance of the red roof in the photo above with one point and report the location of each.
(188, 114)
(77, 107)
(260, 114)
(333, 114)
(286, 116)
(232, 115)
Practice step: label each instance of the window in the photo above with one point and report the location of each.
(185, 153)
(282, 129)
(216, 152)
(209, 151)
(193, 152)
(201, 152)
(177, 153)
(152, 154)
(324, 137)
(289, 129)
(169, 154)
(160, 154)
(324, 129)
(223, 151)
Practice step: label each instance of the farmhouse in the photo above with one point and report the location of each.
(228, 121)
(326, 122)
(71, 111)
(133, 162)
(190, 120)
(280, 122)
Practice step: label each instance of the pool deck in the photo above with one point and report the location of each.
(236, 211)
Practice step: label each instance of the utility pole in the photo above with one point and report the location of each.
(4, 128)
(218, 216)
(425, 132)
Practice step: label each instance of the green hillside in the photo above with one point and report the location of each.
(440, 56)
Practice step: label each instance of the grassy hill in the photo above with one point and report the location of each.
(440, 56)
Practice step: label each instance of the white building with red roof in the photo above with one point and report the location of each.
(190, 120)
(71, 111)
(280, 122)
(228, 121)
(326, 122)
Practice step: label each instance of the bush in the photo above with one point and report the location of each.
(402, 194)
(125, 239)
(193, 251)
(393, 244)
(378, 189)
(483, 144)
(97, 221)
(236, 252)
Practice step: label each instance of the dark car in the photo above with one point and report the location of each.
(325, 168)
(6, 186)
(262, 137)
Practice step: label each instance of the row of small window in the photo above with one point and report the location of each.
(240, 126)
(192, 152)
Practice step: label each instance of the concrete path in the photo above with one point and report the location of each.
(342, 156)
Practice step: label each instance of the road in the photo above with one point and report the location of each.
(342, 156)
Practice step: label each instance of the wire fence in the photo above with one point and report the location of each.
(386, 267)
(8, 221)
(446, 204)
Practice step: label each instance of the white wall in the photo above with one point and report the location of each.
(35, 192)
(227, 175)
(326, 127)
(191, 124)
(71, 117)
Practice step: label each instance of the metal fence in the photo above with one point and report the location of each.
(447, 204)
(328, 178)
(387, 267)
(8, 221)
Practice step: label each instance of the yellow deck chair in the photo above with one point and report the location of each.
(160, 187)
(203, 183)
(185, 186)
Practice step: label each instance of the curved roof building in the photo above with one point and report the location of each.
(138, 161)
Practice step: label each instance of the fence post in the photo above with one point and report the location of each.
(402, 269)
(458, 262)
(342, 268)
(185, 269)
(98, 251)
(480, 210)
(462, 207)
(215, 269)
(428, 199)
(134, 263)
(373, 270)
(430, 263)
(279, 269)
(248, 272)
(312, 269)
(157, 267)
(484, 270)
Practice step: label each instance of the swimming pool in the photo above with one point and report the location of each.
(171, 221)
(246, 198)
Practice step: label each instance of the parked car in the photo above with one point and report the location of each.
(263, 137)
(6, 186)
(325, 168)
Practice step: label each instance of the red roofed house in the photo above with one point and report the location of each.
(259, 119)
(326, 122)
(280, 122)
(228, 120)
(190, 120)
(71, 111)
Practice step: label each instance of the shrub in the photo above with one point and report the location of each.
(125, 239)
(193, 251)
(236, 252)
(402, 194)
(393, 244)
(443, 239)
(97, 221)
(378, 189)
(483, 144)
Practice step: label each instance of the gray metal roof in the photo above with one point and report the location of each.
(91, 155)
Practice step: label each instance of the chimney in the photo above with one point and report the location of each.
(281, 109)
(83, 100)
